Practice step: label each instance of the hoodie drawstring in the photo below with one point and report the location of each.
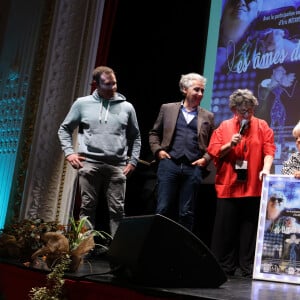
(106, 114)
(101, 109)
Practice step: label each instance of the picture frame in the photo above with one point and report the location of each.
(277, 253)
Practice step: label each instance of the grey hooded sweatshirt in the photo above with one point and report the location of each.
(108, 130)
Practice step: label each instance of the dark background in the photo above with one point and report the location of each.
(152, 44)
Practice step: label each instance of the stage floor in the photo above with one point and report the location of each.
(235, 288)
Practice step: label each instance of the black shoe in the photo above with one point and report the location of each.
(246, 275)
(243, 273)
(229, 273)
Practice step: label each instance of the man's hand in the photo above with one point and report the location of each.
(162, 154)
(75, 160)
(128, 169)
(200, 162)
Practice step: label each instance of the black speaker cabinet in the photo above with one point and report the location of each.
(153, 250)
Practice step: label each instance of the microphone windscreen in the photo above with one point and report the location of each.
(243, 126)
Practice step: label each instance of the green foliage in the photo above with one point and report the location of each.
(55, 281)
(82, 229)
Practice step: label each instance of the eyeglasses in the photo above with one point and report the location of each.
(276, 199)
(243, 111)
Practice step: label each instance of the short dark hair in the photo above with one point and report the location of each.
(99, 71)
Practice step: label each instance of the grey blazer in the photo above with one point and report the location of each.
(161, 135)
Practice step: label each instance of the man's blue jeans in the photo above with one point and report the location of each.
(178, 185)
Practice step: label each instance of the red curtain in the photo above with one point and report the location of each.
(16, 282)
(109, 13)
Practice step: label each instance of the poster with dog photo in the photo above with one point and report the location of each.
(277, 256)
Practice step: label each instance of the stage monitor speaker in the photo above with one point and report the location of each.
(153, 250)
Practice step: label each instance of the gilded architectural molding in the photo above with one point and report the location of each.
(66, 75)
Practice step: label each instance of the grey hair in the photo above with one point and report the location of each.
(296, 130)
(241, 96)
(187, 80)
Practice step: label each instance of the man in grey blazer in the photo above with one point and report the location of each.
(178, 140)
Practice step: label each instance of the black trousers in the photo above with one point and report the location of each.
(234, 233)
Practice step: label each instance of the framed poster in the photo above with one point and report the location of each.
(277, 256)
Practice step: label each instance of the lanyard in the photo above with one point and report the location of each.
(241, 149)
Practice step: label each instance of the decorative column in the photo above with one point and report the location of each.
(49, 53)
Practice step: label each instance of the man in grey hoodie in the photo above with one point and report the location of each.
(109, 144)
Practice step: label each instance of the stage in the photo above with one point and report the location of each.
(94, 280)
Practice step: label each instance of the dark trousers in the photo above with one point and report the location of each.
(234, 233)
(178, 185)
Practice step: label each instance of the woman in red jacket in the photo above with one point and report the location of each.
(243, 150)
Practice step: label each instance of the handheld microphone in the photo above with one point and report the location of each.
(244, 124)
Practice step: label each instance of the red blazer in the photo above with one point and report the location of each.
(257, 142)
